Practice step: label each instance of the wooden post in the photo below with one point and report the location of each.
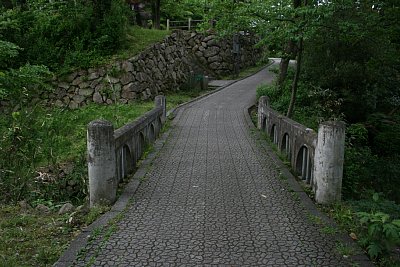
(189, 23)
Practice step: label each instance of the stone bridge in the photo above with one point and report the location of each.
(213, 194)
(316, 158)
(113, 154)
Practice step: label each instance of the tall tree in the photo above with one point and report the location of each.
(156, 6)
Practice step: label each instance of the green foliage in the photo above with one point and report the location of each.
(354, 54)
(183, 9)
(8, 51)
(308, 112)
(64, 34)
(381, 234)
(374, 202)
(36, 137)
(19, 86)
(31, 239)
(374, 223)
(364, 170)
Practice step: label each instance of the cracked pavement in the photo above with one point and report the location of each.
(213, 197)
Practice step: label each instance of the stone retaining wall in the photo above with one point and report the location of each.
(216, 53)
(163, 66)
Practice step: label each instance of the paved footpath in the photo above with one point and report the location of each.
(213, 197)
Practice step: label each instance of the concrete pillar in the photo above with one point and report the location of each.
(328, 162)
(161, 101)
(263, 102)
(103, 180)
(204, 85)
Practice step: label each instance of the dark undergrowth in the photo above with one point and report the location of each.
(370, 209)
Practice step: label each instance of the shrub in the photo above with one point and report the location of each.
(64, 34)
(379, 233)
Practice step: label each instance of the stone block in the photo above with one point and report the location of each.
(211, 51)
(64, 85)
(78, 98)
(215, 65)
(84, 84)
(97, 98)
(215, 58)
(77, 80)
(85, 92)
(127, 78)
(127, 66)
(93, 76)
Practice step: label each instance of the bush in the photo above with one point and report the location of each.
(364, 170)
(65, 34)
(379, 234)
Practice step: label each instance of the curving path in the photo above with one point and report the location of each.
(213, 197)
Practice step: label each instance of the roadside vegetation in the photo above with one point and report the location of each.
(43, 148)
(370, 211)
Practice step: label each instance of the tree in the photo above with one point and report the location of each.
(156, 5)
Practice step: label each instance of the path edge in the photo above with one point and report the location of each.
(359, 257)
(172, 113)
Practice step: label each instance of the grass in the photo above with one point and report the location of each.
(344, 250)
(137, 40)
(31, 239)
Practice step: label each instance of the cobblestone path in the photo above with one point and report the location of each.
(214, 198)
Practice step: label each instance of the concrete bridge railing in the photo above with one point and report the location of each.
(112, 154)
(316, 158)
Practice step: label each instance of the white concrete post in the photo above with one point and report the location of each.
(161, 100)
(167, 24)
(103, 180)
(263, 102)
(328, 162)
(189, 23)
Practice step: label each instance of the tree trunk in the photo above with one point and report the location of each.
(296, 79)
(283, 68)
(289, 52)
(156, 14)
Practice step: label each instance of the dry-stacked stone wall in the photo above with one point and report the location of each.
(163, 66)
(217, 53)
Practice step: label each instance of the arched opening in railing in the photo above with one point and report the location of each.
(264, 124)
(303, 164)
(285, 145)
(126, 162)
(274, 134)
(152, 134)
(159, 126)
(140, 145)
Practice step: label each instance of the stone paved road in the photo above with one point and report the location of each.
(214, 198)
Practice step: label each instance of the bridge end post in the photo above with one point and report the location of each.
(161, 101)
(328, 162)
(102, 173)
(263, 103)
